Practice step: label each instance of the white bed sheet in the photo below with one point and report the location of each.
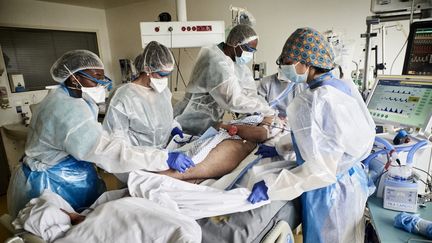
(195, 201)
(132, 219)
(110, 219)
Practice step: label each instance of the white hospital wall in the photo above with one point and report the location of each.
(124, 33)
(276, 20)
(36, 14)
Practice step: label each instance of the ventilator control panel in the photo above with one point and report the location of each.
(402, 101)
(400, 199)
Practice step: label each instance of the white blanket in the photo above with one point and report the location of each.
(128, 219)
(42, 216)
(132, 219)
(192, 200)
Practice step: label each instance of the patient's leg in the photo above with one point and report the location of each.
(224, 158)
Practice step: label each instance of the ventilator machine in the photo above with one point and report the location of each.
(399, 165)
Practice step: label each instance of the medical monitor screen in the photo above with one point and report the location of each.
(418, 57)
(401, 102)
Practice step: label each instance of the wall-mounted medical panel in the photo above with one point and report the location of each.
(183, 34)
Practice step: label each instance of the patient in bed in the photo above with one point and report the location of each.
(234, 142)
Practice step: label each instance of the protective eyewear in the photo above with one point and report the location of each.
(106, 82)
(247, 48)
(163, 74)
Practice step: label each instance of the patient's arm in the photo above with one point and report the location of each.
(227, 155)
(256, 134)
(224, 158)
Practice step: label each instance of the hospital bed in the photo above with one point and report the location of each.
(235, 228)
(270, 223)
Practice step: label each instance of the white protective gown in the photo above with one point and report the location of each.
(271, 88)
(333, 133)
(142, 115)
(63, 125)
(64, 135)
(214, 88)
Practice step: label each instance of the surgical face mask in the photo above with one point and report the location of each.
(159, 84)
(282, 74)
(97, 94)
(245, 57)
(289, 72)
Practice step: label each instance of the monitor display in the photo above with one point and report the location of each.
(401, 101)
(418, 57)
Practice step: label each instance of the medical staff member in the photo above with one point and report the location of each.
(65, 140)
(332, 132)
(141, 111)
(216, 85)
(280, 88)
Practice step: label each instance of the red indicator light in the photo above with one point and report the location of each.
(204, 28)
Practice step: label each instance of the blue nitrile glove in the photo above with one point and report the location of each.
(266, 151)
(259, 193)
(179, 161)
(406, 221)
(177, 131)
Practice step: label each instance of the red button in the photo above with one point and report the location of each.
(193, 28)
(157, 29)
(183, 28)
(188, 28)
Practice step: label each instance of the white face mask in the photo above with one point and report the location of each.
(245, 58)
(289, 72)
(159, 84)
(97, 94)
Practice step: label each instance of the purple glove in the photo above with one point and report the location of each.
(177, 131)
(266, 151)
(259, 193)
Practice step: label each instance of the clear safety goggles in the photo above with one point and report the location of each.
(106, 82)
(163, 73)
(246, 47)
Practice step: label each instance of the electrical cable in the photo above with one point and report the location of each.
(179, 71)
(175, 61)
(427, 173)
(177, 76)
(394, 60)
(171, 46)
(189, 55)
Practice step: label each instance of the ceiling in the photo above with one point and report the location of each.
(102, 4)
